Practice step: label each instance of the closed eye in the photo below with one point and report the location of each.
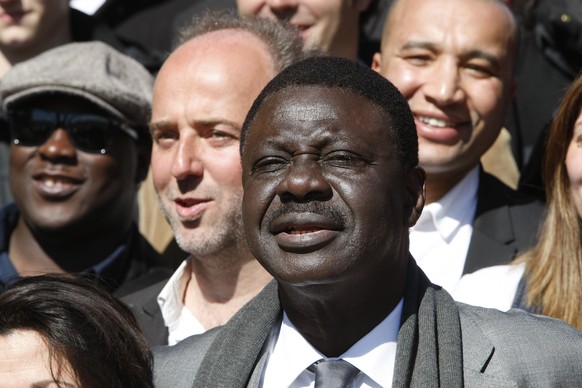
(344, 159)
(269, 164)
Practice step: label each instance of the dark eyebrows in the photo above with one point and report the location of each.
(492, 59)
(160, 125)
(168, 124)
(415, 44)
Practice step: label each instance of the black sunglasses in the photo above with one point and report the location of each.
(88, 132)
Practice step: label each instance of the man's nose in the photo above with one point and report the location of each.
(58, 146)
(304, 181)
(443, 85)
(187, 161)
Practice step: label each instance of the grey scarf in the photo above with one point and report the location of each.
(428, 353)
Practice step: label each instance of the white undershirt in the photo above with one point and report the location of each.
(491, 287)
(374, 355)
(88, 7)
(181, 323)
(440, 239)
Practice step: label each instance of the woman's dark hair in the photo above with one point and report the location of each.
(82, 325)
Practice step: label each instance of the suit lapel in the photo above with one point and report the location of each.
(478, 354)
(493, 233)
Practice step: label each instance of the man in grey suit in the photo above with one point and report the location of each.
(331, 185)
(454, 62)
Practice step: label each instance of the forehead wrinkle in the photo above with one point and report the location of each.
(306, 112)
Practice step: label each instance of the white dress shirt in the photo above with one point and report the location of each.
(181, 323)
(440, 239)
(88, 7)
(374, 355)
(491, 287)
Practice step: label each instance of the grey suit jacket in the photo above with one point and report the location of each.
(506, 223)
(513, 349)
(144, 306)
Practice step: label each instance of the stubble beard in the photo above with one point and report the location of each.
(225, 238)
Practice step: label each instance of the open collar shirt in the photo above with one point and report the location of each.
(181, 323)
(440, 239)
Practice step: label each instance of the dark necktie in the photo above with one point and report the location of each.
(333, 374)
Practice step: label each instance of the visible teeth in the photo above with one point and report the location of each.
(51, 182)
(433, 122)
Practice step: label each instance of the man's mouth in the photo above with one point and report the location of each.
(56, 186)
(304, 232)
(434, 122)
(190, 209)
(299, 230)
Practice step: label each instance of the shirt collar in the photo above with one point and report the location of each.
(170, 298)
(374, 354)
(449, 213)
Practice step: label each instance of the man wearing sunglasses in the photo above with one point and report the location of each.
(79, 150)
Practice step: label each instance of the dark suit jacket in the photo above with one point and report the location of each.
(513, 349)
(146, 310)
(506, 223)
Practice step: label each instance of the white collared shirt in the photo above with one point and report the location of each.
(181, 323)
(491, 287)
(440, 239)
(374, 355)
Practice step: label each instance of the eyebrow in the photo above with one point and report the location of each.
(476, 53)
(163, 124)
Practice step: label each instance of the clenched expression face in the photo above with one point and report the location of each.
(325, 196)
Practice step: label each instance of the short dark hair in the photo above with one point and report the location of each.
(334, 72)
(82, 325)
(281, 39)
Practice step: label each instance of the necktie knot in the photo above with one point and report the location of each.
(334, 373)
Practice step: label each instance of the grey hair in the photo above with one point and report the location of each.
(282, 40)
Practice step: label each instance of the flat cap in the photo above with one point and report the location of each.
(91, 70)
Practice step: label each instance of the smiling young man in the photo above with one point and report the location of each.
(331, 186)
(79, 151)
(454, 62)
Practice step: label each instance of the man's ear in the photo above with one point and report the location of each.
(376, 62)
(415, 188)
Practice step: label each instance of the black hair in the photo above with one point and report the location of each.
(334, 72)
(84, 327)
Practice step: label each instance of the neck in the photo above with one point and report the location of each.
(32, 253)
(219, 287)
(439, 184)
(333, 317)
